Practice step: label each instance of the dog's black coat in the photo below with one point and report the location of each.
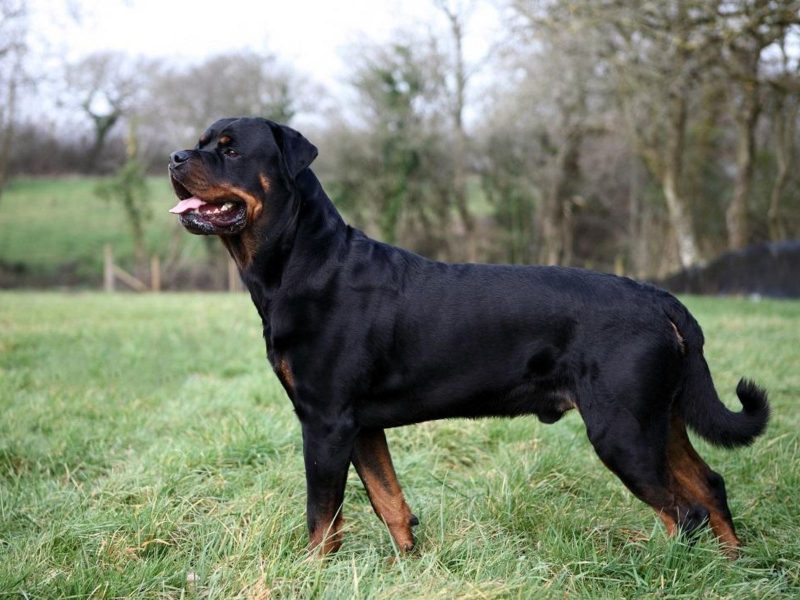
(367, 336)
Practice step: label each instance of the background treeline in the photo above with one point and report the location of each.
(639, 137)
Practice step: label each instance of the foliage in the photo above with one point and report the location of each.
(395, 171)
(598, 133)
(129, 187)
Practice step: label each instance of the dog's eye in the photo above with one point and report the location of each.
(230, 152)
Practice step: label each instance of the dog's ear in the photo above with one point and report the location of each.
(296, 150)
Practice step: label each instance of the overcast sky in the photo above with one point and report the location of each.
(311, 35)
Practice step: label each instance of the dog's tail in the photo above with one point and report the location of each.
(697, 399)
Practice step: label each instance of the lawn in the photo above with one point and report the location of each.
(147, 451)
(57, 225)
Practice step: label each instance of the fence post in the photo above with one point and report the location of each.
(155, 273)
(233, 277)
(108, 268)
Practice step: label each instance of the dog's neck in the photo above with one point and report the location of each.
(294, 245)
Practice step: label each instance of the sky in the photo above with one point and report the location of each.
(313, 36)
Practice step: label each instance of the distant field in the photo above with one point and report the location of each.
(52, 232)
(146, 451)
(52, 225)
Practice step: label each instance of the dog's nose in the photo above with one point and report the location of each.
(178, 157)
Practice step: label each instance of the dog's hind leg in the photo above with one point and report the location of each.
(694, 479)
(373, 463)
(635, 449)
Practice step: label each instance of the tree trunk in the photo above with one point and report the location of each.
(746, 119)
(680, 216)
(680, 220)
(460, 194)
(102, 127)
(565, 174)
(7, 131)
(638, 251)
(784, 130)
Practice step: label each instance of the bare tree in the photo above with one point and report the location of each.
(13, 46)
(749, 27)
(457, 14)
(182, 101)
(559, 68)
(128, 186)
(659, 53)
(784, 113)
(105, 86)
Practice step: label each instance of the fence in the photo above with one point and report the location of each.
(113, 273)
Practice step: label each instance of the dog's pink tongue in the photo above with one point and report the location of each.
(186, 205)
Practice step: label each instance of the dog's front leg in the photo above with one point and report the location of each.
(373, 463)
(327, 448)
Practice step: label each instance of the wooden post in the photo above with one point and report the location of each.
(155, 273)
(233, 277)
(129, 279)
(108, 268)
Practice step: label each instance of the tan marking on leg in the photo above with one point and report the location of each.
(285, 375)
(374, 465)
(690, 474)
(327, 536)
(669, 523)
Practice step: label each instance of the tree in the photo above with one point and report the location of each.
(511, 163)
(183, 101)
(397, 170)
(457, 15)
(105, 86)
(658, 54)
(748, 28)
(784, 113)
(128, 186)
(13, 47)
(559, 68)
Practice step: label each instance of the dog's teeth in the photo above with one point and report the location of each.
(227, 206)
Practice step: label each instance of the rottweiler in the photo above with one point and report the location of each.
(364, 336)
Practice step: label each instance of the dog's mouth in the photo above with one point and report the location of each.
(224, 215)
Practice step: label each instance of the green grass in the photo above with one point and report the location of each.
(147, 451)
(50, 225)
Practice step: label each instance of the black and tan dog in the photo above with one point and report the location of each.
(365, 336)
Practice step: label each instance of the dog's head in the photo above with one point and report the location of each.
(239, 175)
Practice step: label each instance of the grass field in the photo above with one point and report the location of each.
(58, 224)
(146, 451)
